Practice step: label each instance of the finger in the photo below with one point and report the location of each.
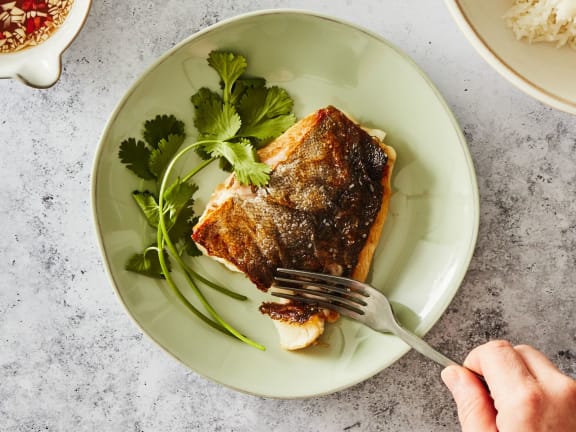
(502, 366)
(537, 363)
(475, 409)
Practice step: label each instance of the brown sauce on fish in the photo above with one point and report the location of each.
(292, 312)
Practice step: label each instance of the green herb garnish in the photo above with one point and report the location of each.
(231, 125)
(243, 118)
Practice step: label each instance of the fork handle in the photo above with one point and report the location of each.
(426, 350)
(423, 348)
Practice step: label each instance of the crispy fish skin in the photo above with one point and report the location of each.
(322, 210)
(325, 194)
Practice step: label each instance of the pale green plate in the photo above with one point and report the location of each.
(427, 242)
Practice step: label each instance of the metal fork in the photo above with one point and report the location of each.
(353, 299)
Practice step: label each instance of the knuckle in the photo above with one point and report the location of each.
(498, 344)
(530, 403)
(532, 399)
(567, 390)
(492, 345)
(522, 347)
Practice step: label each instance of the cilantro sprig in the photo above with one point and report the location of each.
(245, 116)
(231, 124)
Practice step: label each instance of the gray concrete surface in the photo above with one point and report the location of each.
(72, 360)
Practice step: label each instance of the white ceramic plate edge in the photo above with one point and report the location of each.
(505, 70)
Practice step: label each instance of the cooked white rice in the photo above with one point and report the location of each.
(544, 21)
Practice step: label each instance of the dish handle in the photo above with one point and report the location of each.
(42, 72)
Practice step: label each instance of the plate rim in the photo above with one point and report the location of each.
(512, 75)
(475, 201)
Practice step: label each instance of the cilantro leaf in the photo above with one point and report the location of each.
(266, 102)
(206, 104)
(247, 114)
(224, 165)
(148, 263)
(182, 231)
(149, 206)
(178, 204)
(229, 123)
(161, 156)
(176, 198)
(214, 119)
(162, 135)
(265, 112)
(241, 85)
(136, 155)
(188, 246)
(269, 128)
(160, 128)
(242, 156)
(230, 67)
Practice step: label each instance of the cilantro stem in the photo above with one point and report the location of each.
(197, 169)
(176, 291)
(187, 268)
(162, 236)
(211, 284)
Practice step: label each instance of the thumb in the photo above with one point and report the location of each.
(475, 407)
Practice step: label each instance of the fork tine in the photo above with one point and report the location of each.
(348, 284)
(322, 287)
(342, 308)
(326, 293)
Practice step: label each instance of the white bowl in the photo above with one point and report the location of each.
(541, 70)
(40, 66)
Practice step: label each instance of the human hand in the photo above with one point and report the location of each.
(527, 392)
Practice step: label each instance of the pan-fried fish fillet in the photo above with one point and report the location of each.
(322, 210)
